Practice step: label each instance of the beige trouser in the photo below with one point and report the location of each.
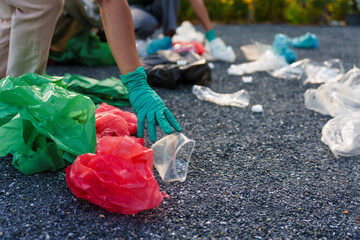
(26, 29)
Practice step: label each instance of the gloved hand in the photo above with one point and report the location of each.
(159, 44)
(147, 104)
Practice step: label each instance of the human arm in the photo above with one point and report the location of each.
(147, 104)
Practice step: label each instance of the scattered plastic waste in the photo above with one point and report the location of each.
(247, 79)
(118, 178)
(253, 52)
(308, 40)
(330, 70)
(211, 65)
(187, 33)
(219, 51)
(294, 71)
(172, 156)
(85, 49)
(159, 44)
(281, 47)
(163, 70)
(41, 123)
(336, 97)
(257, 108)
(237, 99)
(342, 134)
(267, 62)
(193, 46)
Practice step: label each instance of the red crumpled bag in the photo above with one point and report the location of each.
(192, 46)
(102, 120)
(118, 177)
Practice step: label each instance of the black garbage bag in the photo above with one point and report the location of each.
(168, 69)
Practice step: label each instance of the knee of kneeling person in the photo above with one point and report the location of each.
(145, 28)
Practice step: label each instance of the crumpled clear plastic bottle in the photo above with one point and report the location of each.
(237, 99)
(172, 156)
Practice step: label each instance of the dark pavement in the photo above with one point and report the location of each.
(252, 176)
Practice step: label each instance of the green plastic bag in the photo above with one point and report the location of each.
(85, 49)
(109, 90)
(40, 120)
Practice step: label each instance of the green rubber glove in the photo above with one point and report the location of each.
(147, 104)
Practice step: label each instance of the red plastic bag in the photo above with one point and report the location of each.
(193, 46)
(118, 177)
(130, 118)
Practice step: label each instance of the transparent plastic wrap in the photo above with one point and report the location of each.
(267, 62)
(342, 135)
(172, 156)
(336, 97)
(321, 72)
(220, 51)
(238, 99)
(294, 71)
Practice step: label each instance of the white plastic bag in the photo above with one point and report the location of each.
(187, 33)
(237, 99)
(328, 71)
(220, 51)
(342, 134)
(336, 97)
(267, 62)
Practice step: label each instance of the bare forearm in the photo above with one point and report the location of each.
(119, 29)
(201, 13)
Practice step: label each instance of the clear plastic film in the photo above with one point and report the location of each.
(172, 156)
(321, 72)
(342, 134)
(267, 62)
(336, 97)
(237, 99)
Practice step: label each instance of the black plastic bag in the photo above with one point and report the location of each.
(168, 69)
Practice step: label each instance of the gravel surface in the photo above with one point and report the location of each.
(257, 176)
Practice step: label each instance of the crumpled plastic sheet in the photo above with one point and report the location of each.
(39, 120)
(164, 69)
(311, 71)
(267, 62)
(238, 99)
(110, 90)
(336, 97)
(187, 33)
(118, 178)
(330, 70)
(112, 121)
(294, 71)
(218, 50)
(342, 134)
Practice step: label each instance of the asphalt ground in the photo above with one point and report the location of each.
(252, 176)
